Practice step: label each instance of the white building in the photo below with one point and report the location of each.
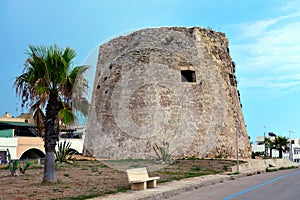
(20, 139)
(293, 154)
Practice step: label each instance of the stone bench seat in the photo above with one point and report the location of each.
(139, 179)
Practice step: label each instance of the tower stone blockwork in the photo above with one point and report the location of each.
(171, 85)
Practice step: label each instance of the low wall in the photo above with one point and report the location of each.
(261, 165)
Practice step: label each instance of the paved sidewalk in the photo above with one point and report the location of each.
(165, 190)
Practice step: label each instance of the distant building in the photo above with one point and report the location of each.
(258, 145)
(293, 154)
(28, 117)
(23, 141)
(295, 150)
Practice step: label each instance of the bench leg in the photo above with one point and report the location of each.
(151, 184)
(139, 186)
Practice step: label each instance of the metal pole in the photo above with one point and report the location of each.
(265, 155)
(291, 147)
(237, 148)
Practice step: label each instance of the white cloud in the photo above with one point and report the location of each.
(283, 83)
(257, 28)
(291, 5)
(271, 56)
(275, 50)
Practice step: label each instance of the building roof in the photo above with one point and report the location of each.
(14, 124)
(20, 128)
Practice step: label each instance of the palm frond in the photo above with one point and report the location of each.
(48, 68)
(66, 116)
(82, 105)
(39, 118)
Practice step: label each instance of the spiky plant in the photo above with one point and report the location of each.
(64, 152)
(12, 164)
(163, 152)
(24, 165)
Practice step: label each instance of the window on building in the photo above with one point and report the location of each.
(188, 76)
(296, 151)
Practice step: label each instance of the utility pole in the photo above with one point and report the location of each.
(237, 146)
(291, 146)
(266, 150)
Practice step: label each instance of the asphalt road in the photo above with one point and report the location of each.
(279, 185)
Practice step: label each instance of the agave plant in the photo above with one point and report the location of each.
(24, 165)
(64, 153)
(12, 164)
(163, 153)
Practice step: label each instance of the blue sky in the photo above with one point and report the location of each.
(263, 35)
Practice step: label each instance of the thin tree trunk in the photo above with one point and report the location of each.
(280, 153)
(50, 138)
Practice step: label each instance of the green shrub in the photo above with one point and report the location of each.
(271, 169)
(290, 167)
(94, 169)
(197, 168)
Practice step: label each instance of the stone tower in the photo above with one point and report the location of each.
(171, 85)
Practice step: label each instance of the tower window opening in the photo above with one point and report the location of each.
(188, 76)
(231, 79)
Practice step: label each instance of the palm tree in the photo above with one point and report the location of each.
(47, 85)
(281, 144)
(270, 145)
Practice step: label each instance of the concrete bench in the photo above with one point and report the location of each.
(139, 179)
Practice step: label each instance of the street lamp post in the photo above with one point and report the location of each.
(265, 154)
(291, 147)
(237, 146)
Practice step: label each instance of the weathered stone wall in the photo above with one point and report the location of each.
(140, 98)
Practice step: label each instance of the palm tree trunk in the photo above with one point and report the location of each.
(50, 138)
(280, 153)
